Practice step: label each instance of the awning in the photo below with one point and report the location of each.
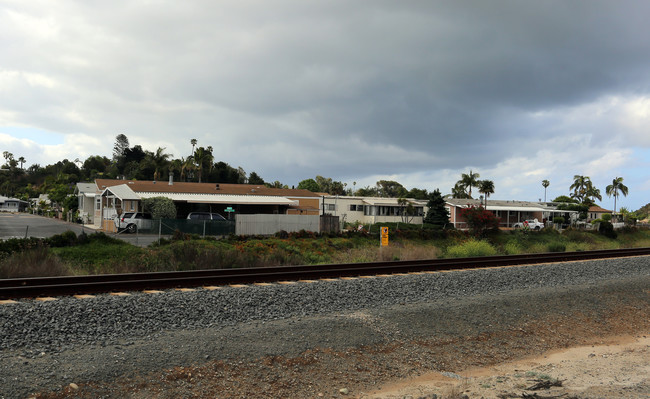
(514, 208)
(122, 192)
(390, 202)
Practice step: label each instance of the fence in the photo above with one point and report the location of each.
(271, 224)
(200, 227)
(261, 224)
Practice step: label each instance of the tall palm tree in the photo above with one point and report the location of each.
(545, 183)
(486, 187)
(193, 142)
(616, 187)
(469, 180)
(201, 156)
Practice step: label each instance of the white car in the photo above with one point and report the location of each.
(532, 224)
(133, 221)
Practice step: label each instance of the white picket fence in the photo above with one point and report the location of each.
(271, 224)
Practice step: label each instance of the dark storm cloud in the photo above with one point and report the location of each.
(356, 90)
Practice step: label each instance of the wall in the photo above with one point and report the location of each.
(271, 224)
(306, 206)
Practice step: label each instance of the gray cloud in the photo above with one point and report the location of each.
(294, 89)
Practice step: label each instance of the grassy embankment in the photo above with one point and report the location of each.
(68, 254)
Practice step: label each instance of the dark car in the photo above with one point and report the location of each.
(204, 216)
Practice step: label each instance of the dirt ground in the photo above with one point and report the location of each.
(620, 368)
(593, 339)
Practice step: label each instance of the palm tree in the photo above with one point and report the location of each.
(616, 187)
(458, 191)
(160, 161)
(22, 161)
(201, 156)
(188, 168)
(592, 194)
(545, 183)
(486, 187)
(176, 165)
(193, 142)
(469, 180)
(580, 187)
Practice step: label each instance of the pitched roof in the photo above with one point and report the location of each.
(596, 208)
(142, 186)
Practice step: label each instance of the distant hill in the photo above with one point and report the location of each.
(643, 211)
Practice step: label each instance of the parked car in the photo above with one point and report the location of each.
(532, 224)
(133, 221)
(204, 216)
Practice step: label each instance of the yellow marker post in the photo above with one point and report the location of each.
(384, 236)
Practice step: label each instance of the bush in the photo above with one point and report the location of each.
(160, 207)
(606, 217)
(512, 248)
(479, 220)
(35, 262)
(556, 247)
(12, 245)
(558, 220)
(629, 229)
(66, 239)
(471, 248)
(607, 229)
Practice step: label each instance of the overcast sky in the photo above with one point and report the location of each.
(413, 91)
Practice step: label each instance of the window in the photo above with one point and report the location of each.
(98, 203)
(129, 205)
(330, 207)
(353, 207)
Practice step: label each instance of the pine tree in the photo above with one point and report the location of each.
(437, 215)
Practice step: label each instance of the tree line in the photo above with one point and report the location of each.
(134, 162)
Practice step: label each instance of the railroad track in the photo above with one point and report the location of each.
(104, 283)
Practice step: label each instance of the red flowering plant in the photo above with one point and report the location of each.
(479, 220)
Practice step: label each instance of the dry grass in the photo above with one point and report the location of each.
(392, 252)
(36, 262)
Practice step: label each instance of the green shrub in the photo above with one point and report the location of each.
(160, 207)
(66, 239)
(471, 248)
(606, 217)
(578, 236)
(607, 229)
(12, 245)
(556, 247)
(558, 220)
(512, 248)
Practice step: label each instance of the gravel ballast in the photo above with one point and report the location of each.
(48, 345)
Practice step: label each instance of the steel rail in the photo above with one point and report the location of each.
(103, 283)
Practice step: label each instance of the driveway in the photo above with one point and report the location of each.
(21, 225)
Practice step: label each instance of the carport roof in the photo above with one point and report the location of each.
(390, 201)
(222, 198)
(500, 205)
(142, 186)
